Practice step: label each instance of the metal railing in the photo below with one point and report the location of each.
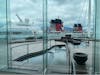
(72, 69)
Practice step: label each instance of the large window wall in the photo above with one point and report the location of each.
(29, 34)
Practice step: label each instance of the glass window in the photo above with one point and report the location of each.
(97, 37)
(4, 8)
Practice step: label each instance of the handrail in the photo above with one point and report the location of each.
(74, 70)
(89, 39)
(68, 55)
(27, 56)
(71, 61)
(23, 44)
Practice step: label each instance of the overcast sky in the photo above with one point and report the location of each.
(70, 11)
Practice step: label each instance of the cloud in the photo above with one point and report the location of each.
(70, 11)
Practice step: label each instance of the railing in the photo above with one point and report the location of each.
(69, 58)
(70, 64)
(72, 69)
(58, 35)
(26, 47)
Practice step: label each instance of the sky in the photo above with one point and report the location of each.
(2, 11)
(70, 11)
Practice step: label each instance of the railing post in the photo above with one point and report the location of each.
(27, 51)
(69, 56)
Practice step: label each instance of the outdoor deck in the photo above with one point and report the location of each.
(20, 49)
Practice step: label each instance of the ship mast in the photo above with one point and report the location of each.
(19, 18)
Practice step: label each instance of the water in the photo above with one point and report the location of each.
(56, 61)
(55, 57)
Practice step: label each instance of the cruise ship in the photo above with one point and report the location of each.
(22, 30)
